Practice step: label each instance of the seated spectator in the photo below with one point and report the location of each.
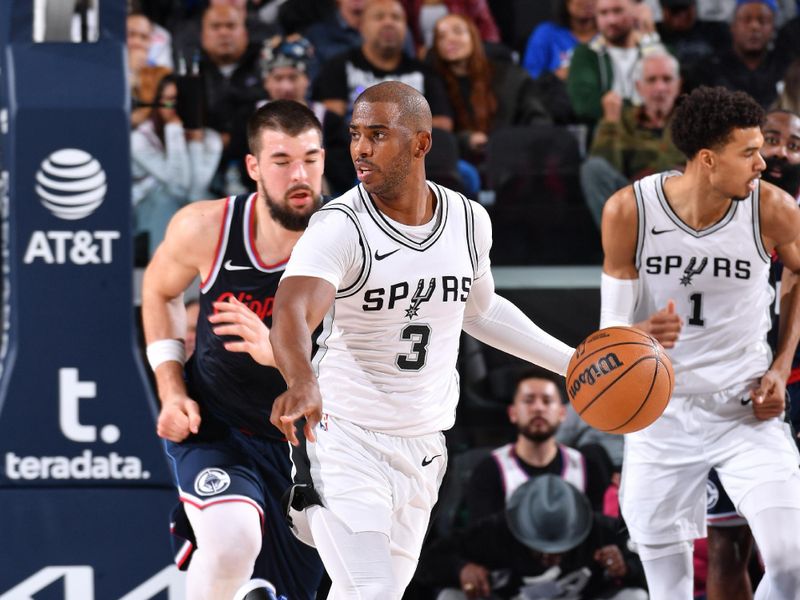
(143, 76)
(686, 37)
(550, 47)
(536, 412)
(380, 58)
(547, 531)
(285, 62)
(423, 15)
(789, 94)
(171, 165)
(787, 42)
(229, 68)
(483, 94)
(606, 63)
(338, 33)
(633, 141)
(748, 65)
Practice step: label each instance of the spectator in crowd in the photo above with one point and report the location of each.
(537, 410)
(484, 94)
(229, 68)
(748, 65)
(423, 14)
(787, 42)
(380, 58)
(633, 141)
(687, 38)
(606, 63)
(171, 165)
(338, 33)
(285, 63)
(550, 47)
(547, 530)
(789, 95)
(143, 77)
(781, 152)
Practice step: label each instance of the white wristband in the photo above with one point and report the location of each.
(617, 300)
(162, 351)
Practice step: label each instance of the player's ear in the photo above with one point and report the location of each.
(422, 143)
(707, 158)
(251, 163)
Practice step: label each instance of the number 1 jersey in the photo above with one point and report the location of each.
(719, 279)
(387, 352)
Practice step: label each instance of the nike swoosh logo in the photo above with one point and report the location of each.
(382, 256)
(229, 266)
(425, 460)
(655, 231)
(745, 401)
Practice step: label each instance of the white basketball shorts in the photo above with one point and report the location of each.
(665, 467)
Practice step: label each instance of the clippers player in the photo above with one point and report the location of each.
(396, 267)
(687, 257)
(231, 464)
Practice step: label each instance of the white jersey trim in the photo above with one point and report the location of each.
(383, 223)
(223, 245)
(252, 253)
(662, 198)
(759, 241)
(366, 253)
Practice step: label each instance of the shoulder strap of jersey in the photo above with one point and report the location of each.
(366, 253)
(222, 244)
(756, 207)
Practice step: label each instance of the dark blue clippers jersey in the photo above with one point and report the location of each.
(231, 385)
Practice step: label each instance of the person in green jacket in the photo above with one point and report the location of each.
(633, 141)
(606, 62)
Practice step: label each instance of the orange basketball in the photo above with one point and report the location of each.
(619, 380)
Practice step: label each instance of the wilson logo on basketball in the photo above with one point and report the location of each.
(593, 372)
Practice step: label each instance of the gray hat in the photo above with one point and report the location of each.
(549, 515)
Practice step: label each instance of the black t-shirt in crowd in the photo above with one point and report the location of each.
(345, 76)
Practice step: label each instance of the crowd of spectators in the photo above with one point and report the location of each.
(582, 77)
(588, 94)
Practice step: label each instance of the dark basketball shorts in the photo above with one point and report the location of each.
(223, 464)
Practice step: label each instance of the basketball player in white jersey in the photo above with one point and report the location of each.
(396, 267)
(687, 257)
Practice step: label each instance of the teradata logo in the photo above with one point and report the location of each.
(71, 184)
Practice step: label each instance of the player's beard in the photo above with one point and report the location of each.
(789, 180)
(394, 179)
(286, 216)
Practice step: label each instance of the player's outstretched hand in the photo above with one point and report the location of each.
(300, 400)
(474, 581)
(178, 418)
(664, 325)
(769, 397)
(237, 319)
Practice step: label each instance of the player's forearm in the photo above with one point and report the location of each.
(505, 327)
(290, 337)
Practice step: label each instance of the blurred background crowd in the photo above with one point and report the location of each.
(542, 109)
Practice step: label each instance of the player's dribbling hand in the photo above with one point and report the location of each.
(664, 325)
(178, 418)
(300, 400)
(237, 319)
(769, 397)
(474, 581)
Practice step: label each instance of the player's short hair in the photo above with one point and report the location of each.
(286, 116)
(707, 117)
(415, 112)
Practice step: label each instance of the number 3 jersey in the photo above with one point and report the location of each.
(387, 352)
(719, 279)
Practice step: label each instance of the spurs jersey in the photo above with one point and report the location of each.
(387, 352)
(231, 385)
(719, 279)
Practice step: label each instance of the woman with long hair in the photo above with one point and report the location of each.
(484, 94)
(172, 166)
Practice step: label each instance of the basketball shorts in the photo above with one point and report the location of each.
(374, 481)
(666, 465)
(223, 464)
(720, 511)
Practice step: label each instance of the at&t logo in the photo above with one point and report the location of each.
(71, 185)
